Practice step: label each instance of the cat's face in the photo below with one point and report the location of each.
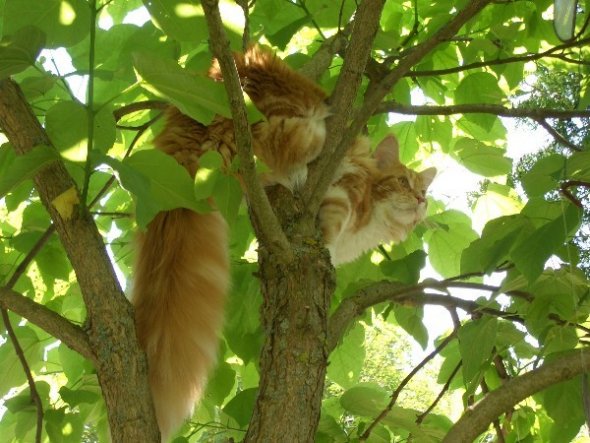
(401, 189)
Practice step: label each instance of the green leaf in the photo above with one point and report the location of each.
(16, 169)
(530, 254)
(543, 176)
(198, 97)
(446, 245)
(241, 406)
(75, 397)
(67, 127)
(221, 383)
(11, 371)
(346, 361)
(476, 341)
(412, 320)
(405, 133)
(170, 185)
(181, 20)
(479, 87)
(406, 270)
(64, 22)
(480, 158)
(365, 399)
(19, 51)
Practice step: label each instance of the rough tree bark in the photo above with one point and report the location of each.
(120, 363)
(295, 310)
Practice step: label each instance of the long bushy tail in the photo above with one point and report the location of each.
(181, 279)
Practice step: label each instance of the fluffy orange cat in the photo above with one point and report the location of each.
(182, 270)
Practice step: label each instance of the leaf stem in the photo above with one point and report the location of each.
(90, 104)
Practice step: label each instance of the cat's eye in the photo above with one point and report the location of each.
(404, 182)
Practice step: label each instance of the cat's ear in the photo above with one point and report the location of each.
(428, 175)
(387, 152)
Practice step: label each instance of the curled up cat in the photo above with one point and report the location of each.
(182, 268)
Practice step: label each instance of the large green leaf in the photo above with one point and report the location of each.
(476, 341)
(20, 50)
(346, 361)
(181, 20)
(64, 22)
(240, 407)
(67, 127)
(15, 169)
(530, 254)
(479, 87)
(198, 97)
(447, 242)
(480, 158)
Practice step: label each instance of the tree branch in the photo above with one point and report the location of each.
(321, 171)
(478, 417)
(480, 108)
(404, 382)
(54, 324)
(322, 58)
(111, 330)
(325, 167)
(267, 224)
(503, 61)
(36, 399)
(353, 307)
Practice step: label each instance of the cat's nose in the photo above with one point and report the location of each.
(421, 199)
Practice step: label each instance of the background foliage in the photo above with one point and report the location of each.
(510, 267)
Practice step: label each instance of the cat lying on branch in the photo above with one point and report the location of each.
(182, 270)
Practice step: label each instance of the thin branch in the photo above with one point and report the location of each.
(477, 418)
(35, 397)
(321, 171)
(50, 321)
(503, 61)
(404, 382)
(22, 266)
(139, 106)
(564, 189)
(496, 423)
(440, 395)
(556, 135)
(322, 58)
(480, 108)
(353, 307)
(336, 145)
(267, 223)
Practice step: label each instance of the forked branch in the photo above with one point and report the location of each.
(270, 229)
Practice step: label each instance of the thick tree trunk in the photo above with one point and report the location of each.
(294, 357)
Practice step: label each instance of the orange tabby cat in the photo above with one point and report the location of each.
(182, 271)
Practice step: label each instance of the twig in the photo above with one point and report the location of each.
(139, 106)
(480, 108)
(440, 395)
(268, 225)
(556, 135)
(35, 397)
(91, 113)
(22, 266)
(404, 382)
(564, 189)
(503, 61)
(322, 58)
(496, 423)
